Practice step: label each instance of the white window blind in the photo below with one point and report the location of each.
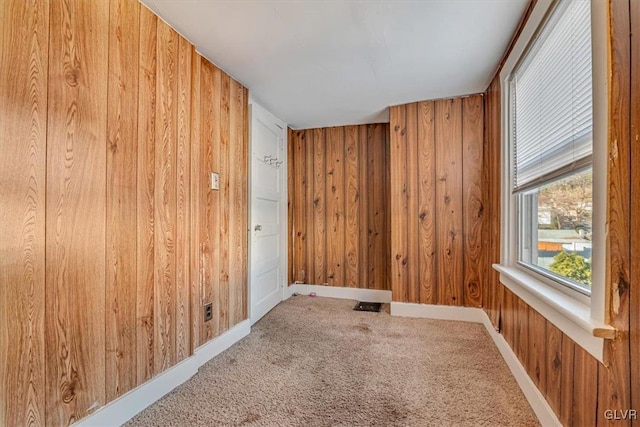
(552, 101)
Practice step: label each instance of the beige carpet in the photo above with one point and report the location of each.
(315, 362)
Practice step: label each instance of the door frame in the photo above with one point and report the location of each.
(284, 227)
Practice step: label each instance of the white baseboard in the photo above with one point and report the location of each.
(132, 403)
(538, 403)
(358, 294)
(440, 312)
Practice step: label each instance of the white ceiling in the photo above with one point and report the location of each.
(330, 63)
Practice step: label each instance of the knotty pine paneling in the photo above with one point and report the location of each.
(398, 205)
(576, 385)
(336, 159)
(76, 209)
(426, 202)
(338, 217)
(24, 43)
(109, 117)
(437, 201)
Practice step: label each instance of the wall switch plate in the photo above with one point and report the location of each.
(215, 181)
(208, 312)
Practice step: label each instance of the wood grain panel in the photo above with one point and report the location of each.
(309, 203)
(585, 388)
(183, 202)
(196, 178)
(413, 261)
(508, 317)
(566, 382)
(521, 333)
(319, 207)
(219, 219)
(352, 209)
(146, 196)
(165, 199)
(210, 92)
(75, 217)
(427, 243)
(300, 212)
(491, 295)
(24, 41)
(614, 382)
(340, 205)
(399, 203)
(553, 353)
(223, 211)
(363, 223)
(537, 349)
(237, 208)
(335, 207)
(634, 308)
(378, 224)
(121, 221)
(473, 199)
(448, 116)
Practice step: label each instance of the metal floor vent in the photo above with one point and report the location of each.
(368, 306)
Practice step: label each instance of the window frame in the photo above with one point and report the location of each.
(579, 316)
(561, 283)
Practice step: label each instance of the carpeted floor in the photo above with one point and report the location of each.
(315, 362)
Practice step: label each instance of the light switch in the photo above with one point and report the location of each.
(215, 181)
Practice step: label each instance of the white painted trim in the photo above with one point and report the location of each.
(569, 315)
(440, 312)
(509, 260)
(216, 346)
(132, 403)
(358, 294)
(538, 403)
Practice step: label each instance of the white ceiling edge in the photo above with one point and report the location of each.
(323, 64)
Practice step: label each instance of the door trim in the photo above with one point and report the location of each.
(284, 227)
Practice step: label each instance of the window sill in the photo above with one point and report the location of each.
(571, 316)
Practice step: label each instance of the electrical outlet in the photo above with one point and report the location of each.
(208, 312)
(215, 181)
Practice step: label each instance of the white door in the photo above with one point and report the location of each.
(268, 255)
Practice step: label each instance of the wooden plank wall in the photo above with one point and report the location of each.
(578, 387)
(219, 231)
(23, 141)
(437, 203)
(338, 209)
(113, 119)
(634, 308)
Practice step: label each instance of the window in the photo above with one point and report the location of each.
(552, 145)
